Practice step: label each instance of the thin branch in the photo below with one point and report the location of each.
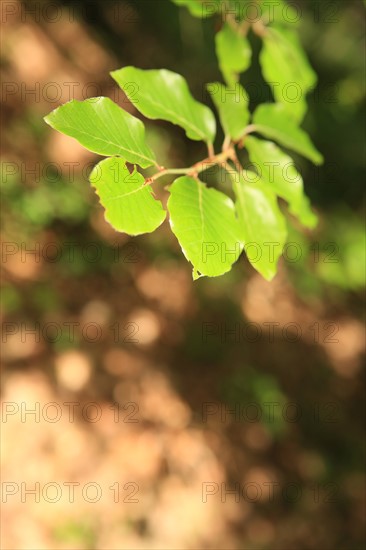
(244, 27)
(228, 152)
(210, 149)
(248, 130)
(165, 172)
(259, 28)
(227, 143)
(196, 168)
(236, 162)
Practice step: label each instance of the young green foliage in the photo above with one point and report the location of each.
(232, 105)
(278, 171)
(273, 122)
(165, 95)
(285, 65)
(199, 8)
(211, 227)
(262, 225)
(233, 53)
(129, 204)
(103, 128)
(204, 222)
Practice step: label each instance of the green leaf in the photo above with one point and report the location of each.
(233, 52)
(279, 12)
(241, 9)
(203, 220)
(162, 94)
(278, 172)
(262, 225)
(104, 128)
(273, 121)
(129, 204)
(200, 8)
(286, 68)
(232, 105)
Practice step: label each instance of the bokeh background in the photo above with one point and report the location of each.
(141, 393)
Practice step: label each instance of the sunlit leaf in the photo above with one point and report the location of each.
(279, 13)
(104, 128)
(262, 225)
(287, 70)
(233, 52)
(279, 172)
(273, 121)
(203, 220)
(162, 94)
(232, 105)
(200, 8)
(130, 206)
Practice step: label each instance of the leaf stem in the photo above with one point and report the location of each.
(259, 28)
(210, 149)
(248, 130)
(244, 27)
(227, 143)
(196, 168)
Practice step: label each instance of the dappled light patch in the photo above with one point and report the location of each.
(148, 326)
(170, 288)
(73, 370)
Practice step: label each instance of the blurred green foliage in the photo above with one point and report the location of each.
(29, 208)
(77, 534)
(253, 394)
